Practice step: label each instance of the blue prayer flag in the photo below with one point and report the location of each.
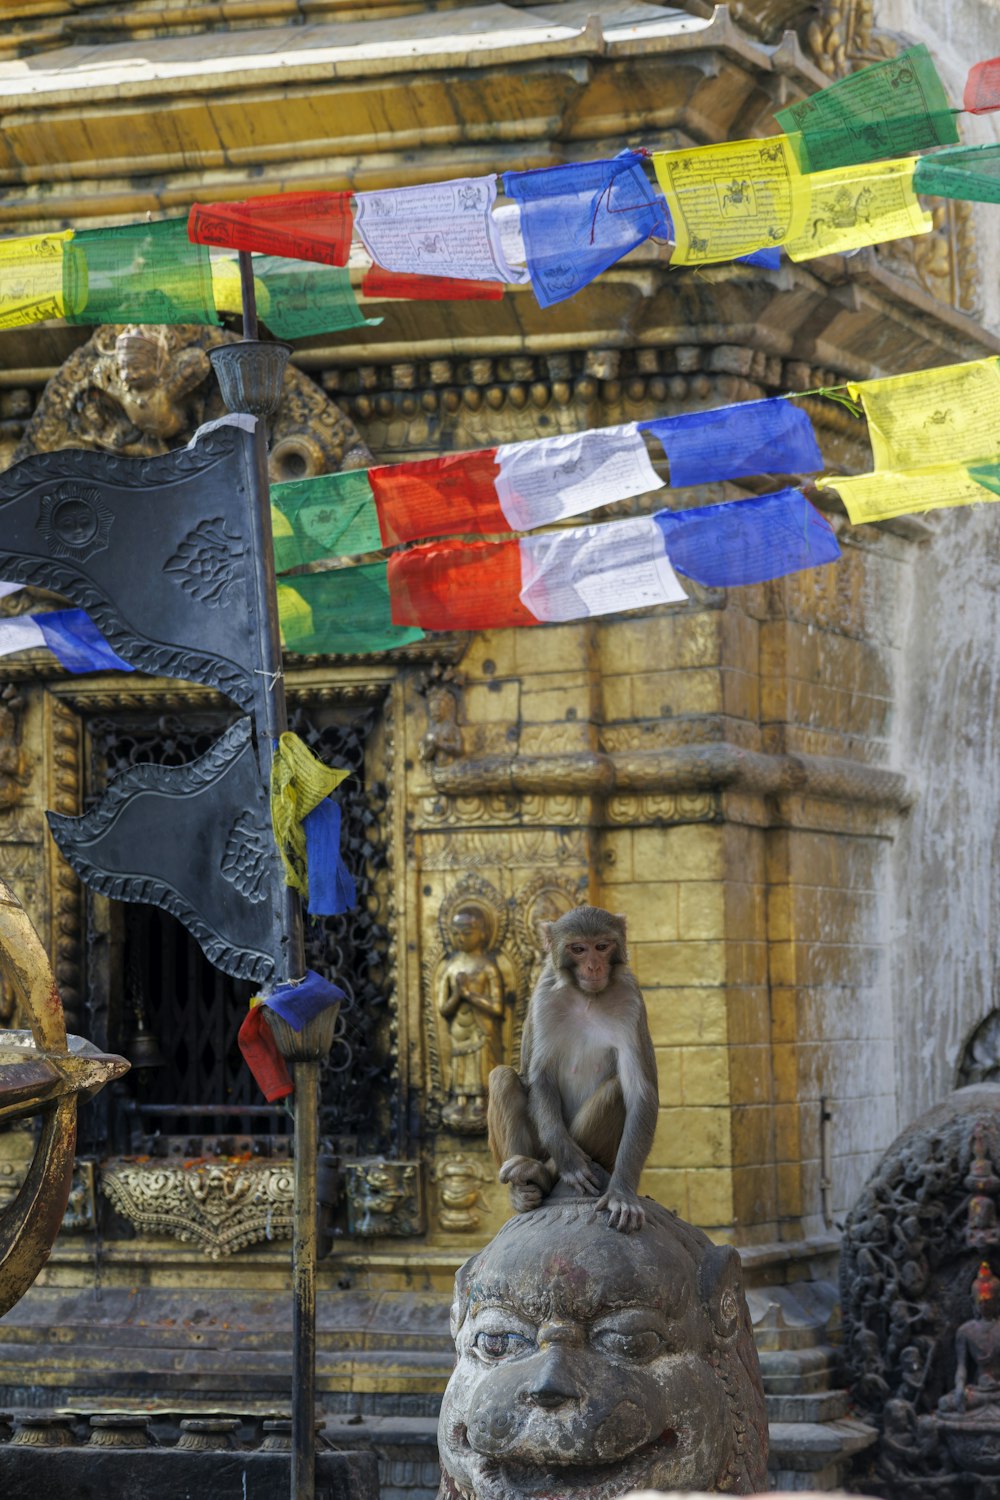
(577, 220)
(770, 257)
(298, 1003)
(76, 642)
(747, 541)
(730, 442)
(331, 885)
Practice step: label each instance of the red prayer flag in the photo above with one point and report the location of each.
(438, 497)
(982, 88)
(261, 1055)
(458, 586)
(303, 226)
(381, 283)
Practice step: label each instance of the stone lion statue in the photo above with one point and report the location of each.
(593, 1364)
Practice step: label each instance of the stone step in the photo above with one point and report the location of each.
(799, 1372)
(806, 1447)
(820, 1406)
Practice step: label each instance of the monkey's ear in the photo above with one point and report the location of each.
(621, 917)
(545, 933)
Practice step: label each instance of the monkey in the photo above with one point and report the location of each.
(587, 1089)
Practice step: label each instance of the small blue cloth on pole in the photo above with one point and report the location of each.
(730, 442)
(747, 541)
(577, 220)
(331, 886)
(298, 1003)
(76, 642)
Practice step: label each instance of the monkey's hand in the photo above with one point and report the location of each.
(529, 1181)
(577, 1169)
(625, 1212)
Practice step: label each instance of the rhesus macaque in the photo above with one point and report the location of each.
(587, 1090)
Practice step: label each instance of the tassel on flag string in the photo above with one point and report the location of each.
(732, 442)
(747, 541)
(579, 219)
(971, 173)
(303, 226)
(982, 88)
(71, 636)
(558, 575)
(887, 109)
(342, 612)
(947, 415)
(379, 283)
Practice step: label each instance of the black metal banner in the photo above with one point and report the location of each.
(157, 550)
(197, 841)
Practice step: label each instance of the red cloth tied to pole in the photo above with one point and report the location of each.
(458, 586)
(438, 497)
(261, 1055)
(303, 226)
(381, 283)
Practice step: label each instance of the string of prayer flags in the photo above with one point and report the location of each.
(137, 273)
(557, 575)
(379, 283)
(342, 612)
(946, 415)
(732, 199)
(747, 541)
(578, 219)
(731, 442)
(304, 226)
(331, 515)
(302, 1000)
(299, 782)
(888, 493)
(71, 636)
(850, 207)
(440, 229)
(31, 278)
(968, 172)
(261, 1055)
(982, 88)
(886, 109)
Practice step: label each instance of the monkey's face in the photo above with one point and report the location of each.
(590, 961)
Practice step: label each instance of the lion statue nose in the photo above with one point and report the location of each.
(553, 1386)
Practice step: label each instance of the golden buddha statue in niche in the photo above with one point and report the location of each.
(472, 999)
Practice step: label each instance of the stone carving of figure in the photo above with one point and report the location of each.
(978, 1339)
(594, 1365)
(148, 388)
(443, 739)
(471, 999)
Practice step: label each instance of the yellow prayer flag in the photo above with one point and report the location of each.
(293, 611)
(877, 497)
(31, 278)
(732, 199)
(299, 782)
(227, 291)
(943, 416)
(849, 207)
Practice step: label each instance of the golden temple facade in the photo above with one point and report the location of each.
(734, 774)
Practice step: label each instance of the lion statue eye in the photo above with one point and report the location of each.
(500, 1345)
(637, 1344)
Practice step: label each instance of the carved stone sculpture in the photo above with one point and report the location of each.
(591, 1364)
(471, 999)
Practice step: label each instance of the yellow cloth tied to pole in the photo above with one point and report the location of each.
(299, 782)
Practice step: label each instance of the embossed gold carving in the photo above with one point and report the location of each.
(546, 898)
(219, 1205)
(383, 1198)
(65, 796)
(443, 739)
(459, 1178)
(15, 772)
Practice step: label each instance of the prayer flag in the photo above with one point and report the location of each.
(968, 172)
(438, 496)
(557, 575)
(441, 229)
(982, 88)
(732, 199)
(730, 442)
(947, 415)
(71, 636)
(299, 1002)
(849, 207)
(304, 298)
(878, 497)
(344, 611)
(304, 226)
(747, 541)
(261, 1055)
(770, 259)
(379, 283)
(884, 110)
(332, 515)
(299, 782)
(9, 588)
(577, 220)
(31, 278)
(138, 273)
(331, 885)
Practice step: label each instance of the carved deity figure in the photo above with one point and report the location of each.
(592, 1364)
(443, 739)
(470, 997)
(147, 387)
(978, 1339)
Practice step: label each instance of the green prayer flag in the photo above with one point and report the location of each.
(137, 273)
(332, 515)
(970, 172)
(889, 109)
(342, 612)
(305, 297)
(988, 475)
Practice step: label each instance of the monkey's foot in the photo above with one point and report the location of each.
(529, 1181)
(625, 1212)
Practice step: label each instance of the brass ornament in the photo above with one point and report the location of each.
(220, 1205)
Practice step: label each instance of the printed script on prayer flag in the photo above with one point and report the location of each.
(971, 173)
(730, 200)
(731, 442)
(443, 229)
(332, 515)
(344, 611)
(597, 570)
(550, 479)
(982, 87)
(878, 497)
(941, 416)
(303, 226)
(854, 206)
(31, 278)
(138, 273)
(747, 541)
